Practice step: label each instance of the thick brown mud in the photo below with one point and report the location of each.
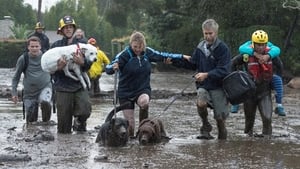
(39, 145)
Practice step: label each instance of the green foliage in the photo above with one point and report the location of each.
(10, 52)
(20, 31)
(173, 25)
(21, 14)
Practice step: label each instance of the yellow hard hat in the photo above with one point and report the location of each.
(260, 36)
(66, 20)
(39, 25)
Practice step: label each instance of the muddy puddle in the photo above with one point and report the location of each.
(22, 144)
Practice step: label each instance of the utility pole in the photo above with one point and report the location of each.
(39, 14)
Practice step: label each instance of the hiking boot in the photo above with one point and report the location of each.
(46, 111)
(235, 108)
(205, 131)
(222, 132)
(280, 111)
(143, 114)
(79, 126)
(204, 135)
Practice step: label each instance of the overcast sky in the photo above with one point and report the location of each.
(45, 3)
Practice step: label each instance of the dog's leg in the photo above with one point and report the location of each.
(87, 79)
(79, 75)
(67, 72)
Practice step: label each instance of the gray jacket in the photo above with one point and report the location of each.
(35, 79)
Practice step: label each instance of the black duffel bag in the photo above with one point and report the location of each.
(238, 87)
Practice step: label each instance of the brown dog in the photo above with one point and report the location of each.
(151, 131)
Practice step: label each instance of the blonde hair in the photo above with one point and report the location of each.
(138, 37)
(210, 24)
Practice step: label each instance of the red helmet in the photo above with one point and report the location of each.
(92, 41)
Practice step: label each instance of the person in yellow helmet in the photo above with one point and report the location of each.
(273, 53)
(39, 32)
(97, 68)
(259, 65)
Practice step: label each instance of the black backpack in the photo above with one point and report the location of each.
(238, 87)
(26, 61)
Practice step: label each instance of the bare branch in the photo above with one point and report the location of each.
(291, 4)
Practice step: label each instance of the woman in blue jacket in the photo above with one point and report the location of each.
(134, 67)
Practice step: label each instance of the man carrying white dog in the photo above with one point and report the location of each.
(71, 98)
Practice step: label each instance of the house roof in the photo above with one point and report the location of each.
(52, 35)
(5, 31)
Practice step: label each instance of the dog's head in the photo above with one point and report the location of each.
(146, 134)
(89, 51)
(119, 126)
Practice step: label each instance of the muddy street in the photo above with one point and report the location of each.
(39, 145)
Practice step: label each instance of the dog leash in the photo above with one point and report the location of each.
(181, 92)
(115, 93)
(78, 49)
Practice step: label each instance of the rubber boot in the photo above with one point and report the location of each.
(206, 127)
(46, 111)
(249, 112)
(32, 113)
(222, 132)
(249, 127)
(143, 114)
(79, 124)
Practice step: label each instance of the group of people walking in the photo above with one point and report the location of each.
(211, 60)
(40, 88)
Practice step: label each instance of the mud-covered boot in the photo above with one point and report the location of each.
(267, 129)
(222, 131)
(206, 127)
(32, 113)
(79, 125)
(143, 114)
(205, 131)
(248, 128)
(46, 111)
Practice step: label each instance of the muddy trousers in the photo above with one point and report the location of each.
(75, 104)
(264, 105)
(32, 106)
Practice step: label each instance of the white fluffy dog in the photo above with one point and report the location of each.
(50, 58)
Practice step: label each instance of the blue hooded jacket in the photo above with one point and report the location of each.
(135, 71)
(214, 59)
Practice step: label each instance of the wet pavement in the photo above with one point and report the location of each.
(182, 123)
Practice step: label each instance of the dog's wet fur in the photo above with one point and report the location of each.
(151, 130)
(114, 132)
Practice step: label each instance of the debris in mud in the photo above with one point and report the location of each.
(12, 128)
(41, 123)
(14, 157)
(145, 165)
(101, 158)
(42, 135)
